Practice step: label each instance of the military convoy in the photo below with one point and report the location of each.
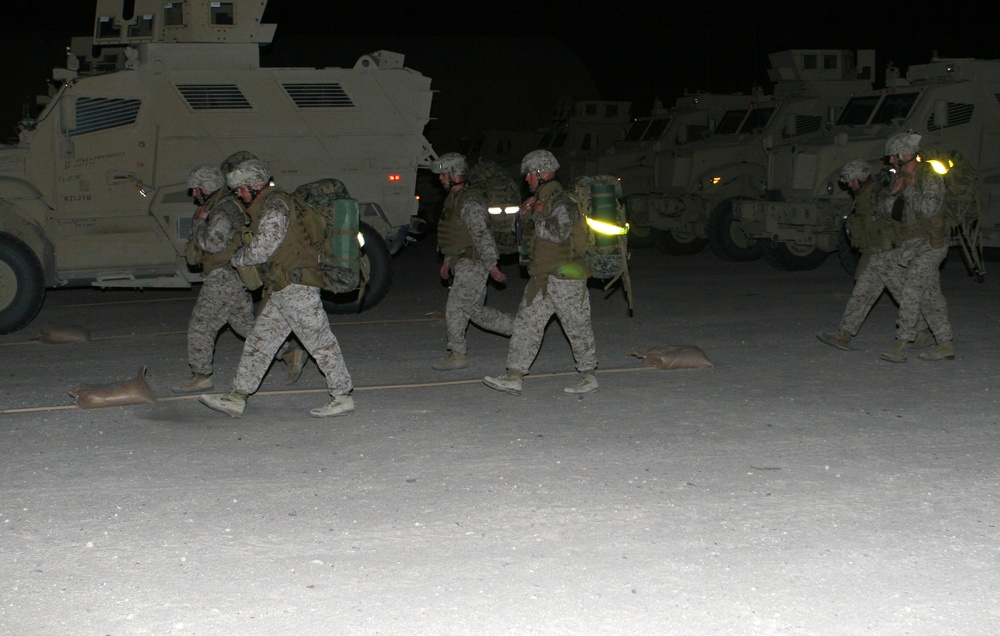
(694, 185)
(951, 103)
(637, 157)
(94, 192)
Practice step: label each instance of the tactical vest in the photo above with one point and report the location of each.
(299, 249)
(870, 233)
(211, 262)
(454, 237)
(917, 226)
(562, 260)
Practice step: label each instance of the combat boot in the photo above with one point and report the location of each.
(232, 404)
(295, 361)
(586, 384)
(840, 339)
(452, 362)
(944, 351)
(196, 382)
(339, 405)
(897, 353)
(509, 382)
(923, 340)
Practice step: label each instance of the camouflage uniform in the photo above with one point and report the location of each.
(548, 294)
(293, 308)
(878, 269)
(222, 298)
(471, 270)
(923, 249)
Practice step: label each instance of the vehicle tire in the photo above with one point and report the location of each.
(793, 258)
(640, 237)
(379, 278)
(849, 255)
(725, 237)
(678, 243)
(22, 284)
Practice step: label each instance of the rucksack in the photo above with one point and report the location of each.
(961, 206)
(604, 250)
(503, 199)
(326, 207)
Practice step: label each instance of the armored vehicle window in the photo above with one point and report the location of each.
(106, 28)
(757, 119)
(830, 62)
(809, 62)
(213, 96)
(895, 106)
(858, 110)
(656, 128)
(222, 14)
(173, 14)
(611, 110)
(730, 122)
(636, 130)
(318, 95)
(99, 113)
(958, 114)
(553, 139)
(143, 27)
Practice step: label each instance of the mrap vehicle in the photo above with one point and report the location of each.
(951, 103)
(95, 191)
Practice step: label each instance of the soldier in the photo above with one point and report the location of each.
(552, 224)
(281, 247)
(470, 253)
(914, 202)
(876, 239)
(223, 298)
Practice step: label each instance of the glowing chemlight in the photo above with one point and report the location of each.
(608, 229)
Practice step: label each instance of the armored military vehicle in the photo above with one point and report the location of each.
(576, 127)
(647, 139)
(951, 103)
(697, 184)
(95, 191)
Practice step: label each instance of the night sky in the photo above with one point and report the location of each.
(637, 50)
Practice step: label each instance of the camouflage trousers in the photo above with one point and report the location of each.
(569, 300)
(295, 309)
(222, 299)
(922, 291)
(876, 273)
(466, 300)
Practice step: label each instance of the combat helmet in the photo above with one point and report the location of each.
(249, 173)
(903, 143)
(235, 159)
(540, 160)
(855, 169)
(207, 178)
(450, 163)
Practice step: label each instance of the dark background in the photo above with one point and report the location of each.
(633, 51)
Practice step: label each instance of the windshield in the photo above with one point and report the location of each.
(858, 111)
(896, 106)
(636, 130)
(730, 122)
(656, 128)
(757, 119)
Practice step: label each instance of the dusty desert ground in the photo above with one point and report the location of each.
(791, 489)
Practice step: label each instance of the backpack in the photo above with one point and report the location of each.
(961, 206)
(503, 199)
(332, 217)
(605, 253)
